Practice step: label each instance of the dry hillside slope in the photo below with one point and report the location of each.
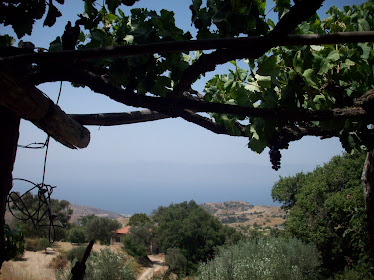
(243, 215)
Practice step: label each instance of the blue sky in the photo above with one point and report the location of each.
(136, 168)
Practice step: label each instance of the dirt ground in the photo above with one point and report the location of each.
(35, 265)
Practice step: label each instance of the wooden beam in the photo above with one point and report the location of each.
(110, 119)
(27, 102)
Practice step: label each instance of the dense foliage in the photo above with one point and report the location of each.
(195, 232)
(102, 265)
(280, 94)
(139, 219)
(326, 207)
(109, 265)
(263, 259)
(14, 243)
(101, 229)
(77, 235)
(60, 208)
(137, 243)
(293, 81)
(76, 253)
(176, 262)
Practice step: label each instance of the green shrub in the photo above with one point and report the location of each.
(14, 243)
(76, 253)
(77, 235)
(31, 244)
(109, 265)
(138, 242)
(355, 273)
(65, 274)
(265, 258)
(176, 261)
(43, 244)
(133, 248)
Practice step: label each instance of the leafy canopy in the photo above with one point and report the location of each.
(326, 207)
(195, 232)
(31, 203)
(101, 228)
(287, 81)
(264, 258)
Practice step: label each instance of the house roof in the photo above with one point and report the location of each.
(124, 230)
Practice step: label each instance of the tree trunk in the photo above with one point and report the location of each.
(8, 148)
(368, 181)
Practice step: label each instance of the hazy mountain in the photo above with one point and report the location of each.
(79, 211)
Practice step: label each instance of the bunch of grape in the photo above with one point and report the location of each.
(275, 156)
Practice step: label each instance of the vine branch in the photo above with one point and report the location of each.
(192, 45)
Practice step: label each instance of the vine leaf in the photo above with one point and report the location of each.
(52, 14)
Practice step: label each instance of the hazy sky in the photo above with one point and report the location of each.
(138, 167)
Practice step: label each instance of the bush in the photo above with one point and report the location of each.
(133, 248)
(138, 242)
(43, 244)
(65, 274)
(59, 262)
(31, 244)
(100, 229)
(14, 243)
(76, 253)
(265, 258)
(109, 265)
(77, 235)
(176, 261)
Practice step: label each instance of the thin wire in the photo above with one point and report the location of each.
(59, 93)
(44, 196)
(43, 189)
(45, 159)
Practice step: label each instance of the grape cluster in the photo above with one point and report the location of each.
(275, 157)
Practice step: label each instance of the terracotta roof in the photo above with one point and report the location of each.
(124, 230)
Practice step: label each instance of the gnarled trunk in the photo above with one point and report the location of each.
(8, 148)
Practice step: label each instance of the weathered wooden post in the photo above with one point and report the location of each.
(8, 148)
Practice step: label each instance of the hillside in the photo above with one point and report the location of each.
(245, 216)
(79, 211)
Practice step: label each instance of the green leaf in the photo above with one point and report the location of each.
(161, 86)
(317, 48)
(365, 50)
(233, 62)
(242, 74)
(82, 37)
(6, 40)
(98, 35)
(52, 14)
(363, 25)
(310, 78)
(333, 56)
(113, 5)
(252, 86)
(227, 85)
(56, 45)
(231, 127)
(349, 62)
(257, 145)
(267, 67)
(241, 96)
(129, 39)
(263, 81)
